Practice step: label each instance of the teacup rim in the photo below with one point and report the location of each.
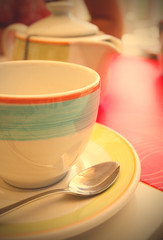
(51, 97)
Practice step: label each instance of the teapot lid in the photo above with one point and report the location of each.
(61, 23)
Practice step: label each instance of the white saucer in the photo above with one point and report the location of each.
(62, 216)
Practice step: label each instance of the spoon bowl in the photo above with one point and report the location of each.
(89, 182)
(95, 179)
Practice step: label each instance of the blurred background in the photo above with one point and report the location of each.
(141, 26)
(140, 18)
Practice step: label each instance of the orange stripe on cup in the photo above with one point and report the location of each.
(46, 99)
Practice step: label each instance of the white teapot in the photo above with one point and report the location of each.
(63, 37)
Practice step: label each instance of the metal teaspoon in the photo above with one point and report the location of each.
(89, 182)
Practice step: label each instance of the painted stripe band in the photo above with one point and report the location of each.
(49, 99)
(44, 121)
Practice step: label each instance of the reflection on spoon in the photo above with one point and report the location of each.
(89, 182)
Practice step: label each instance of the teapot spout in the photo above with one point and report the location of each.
(111, 41)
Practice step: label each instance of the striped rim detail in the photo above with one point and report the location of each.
(34, 40)
(45, 121)
(47, 99)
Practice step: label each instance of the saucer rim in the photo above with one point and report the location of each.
(99, 217)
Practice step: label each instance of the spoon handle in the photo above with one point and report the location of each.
(30, 199)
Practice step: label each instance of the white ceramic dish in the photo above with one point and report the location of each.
(62, 216)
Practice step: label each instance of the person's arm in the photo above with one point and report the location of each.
(106, 14)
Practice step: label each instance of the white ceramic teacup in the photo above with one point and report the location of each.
(47, 112)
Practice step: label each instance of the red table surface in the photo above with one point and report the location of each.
(133, 106)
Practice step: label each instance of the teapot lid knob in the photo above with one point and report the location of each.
(61, 22)
(59, 7)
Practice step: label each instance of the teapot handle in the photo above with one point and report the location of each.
(8, 38)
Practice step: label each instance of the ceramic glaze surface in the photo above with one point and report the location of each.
(39, 49)
(43, 121)
(48, 110)
(58, 217)
(95, 52)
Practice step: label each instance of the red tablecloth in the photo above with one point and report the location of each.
(133, 107)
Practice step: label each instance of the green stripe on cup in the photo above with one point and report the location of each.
(43, 121)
